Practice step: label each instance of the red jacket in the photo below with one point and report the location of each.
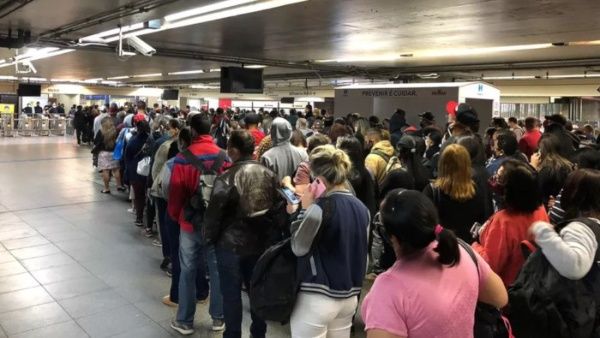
(501, 238)
(184, 177)
(528, 144)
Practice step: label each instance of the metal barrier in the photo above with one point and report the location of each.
(27, 126)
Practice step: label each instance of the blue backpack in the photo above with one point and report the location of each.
(120, 145)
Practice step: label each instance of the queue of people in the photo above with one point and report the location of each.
(436, 214)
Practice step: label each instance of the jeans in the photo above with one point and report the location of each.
(317, 315)
(191, 249)
(233, 270)
(161, 206)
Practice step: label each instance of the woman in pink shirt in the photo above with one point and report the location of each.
(434, 286)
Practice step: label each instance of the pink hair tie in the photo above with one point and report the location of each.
(437, 230)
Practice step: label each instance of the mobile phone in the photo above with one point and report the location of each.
(289, 195)
(317, 188)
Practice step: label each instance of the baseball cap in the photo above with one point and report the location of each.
(466, 115)
(406, 142)
(138, 118)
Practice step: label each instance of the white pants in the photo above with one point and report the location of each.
(319, 316)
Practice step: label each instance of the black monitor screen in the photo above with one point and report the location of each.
(241, 80)
(29, 89)
(170, 94)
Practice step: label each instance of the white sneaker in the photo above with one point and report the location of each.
(131, 210)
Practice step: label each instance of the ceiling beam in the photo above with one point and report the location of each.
(9, 6)
(219, 58)
(106, 16)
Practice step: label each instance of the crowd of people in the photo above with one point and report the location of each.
(437, 214)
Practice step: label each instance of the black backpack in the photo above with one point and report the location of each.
(489, 322)
(194, 209)
(275, 280)
(545, 304)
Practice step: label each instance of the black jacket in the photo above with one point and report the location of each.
(245, 211)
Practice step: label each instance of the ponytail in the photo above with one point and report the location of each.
(447, 248)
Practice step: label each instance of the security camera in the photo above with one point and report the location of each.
(141, 46)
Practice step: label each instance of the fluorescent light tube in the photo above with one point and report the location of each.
(187, 72)
(7, 77)
(257, 7)
(118, 77)
(206, 9)
(148, 75)
(516, 77)
(255, 66)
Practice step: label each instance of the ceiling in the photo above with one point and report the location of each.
(292, 39)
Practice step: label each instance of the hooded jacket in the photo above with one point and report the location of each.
(283, 158)
(245, 209)
(376, 161)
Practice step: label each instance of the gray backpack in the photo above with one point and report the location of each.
(195, 208)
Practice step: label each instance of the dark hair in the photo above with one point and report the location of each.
(587, 158)
(395, 179)
(242, 141)
(336, 131)
(475, 148)
(500, 123)
(580, 194)
(354, 148)
(530, 123)
(200, 123)
(220, 111)
(507, 142)
(435, 136)
(298, 139)
(512, 119)
(141, 105)
(174, 124)
(411, 160)
(411, 217)
(522, 192)
(143, 127)
(185, 137)
(317, 140)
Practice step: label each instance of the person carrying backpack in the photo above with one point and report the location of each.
(330, 240)
(380, 155)
(243, 216)
(557, 293)
(187, 203)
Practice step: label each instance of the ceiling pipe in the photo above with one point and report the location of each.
(106, 16)
(9, 6)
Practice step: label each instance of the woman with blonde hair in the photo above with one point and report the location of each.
(104, 145)
(330, 239)
(459, 201)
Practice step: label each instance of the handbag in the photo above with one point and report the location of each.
(489, 322)
(143, 166)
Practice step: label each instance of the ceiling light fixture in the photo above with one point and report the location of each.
(215, 70)
(255, 66)
(148, 75)
(34, 79)
(93, 80)
(573, 76)
(35, 54)
(8, 77)
(213, 12)
(514, 77)
(114, 83)
(451, 52)
(118, 77)
(187, 72)
(206, 9)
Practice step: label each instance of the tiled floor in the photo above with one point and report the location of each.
(72, 264)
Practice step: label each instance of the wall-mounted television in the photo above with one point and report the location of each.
(241, 80)
(170, 94)
(26, 89)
